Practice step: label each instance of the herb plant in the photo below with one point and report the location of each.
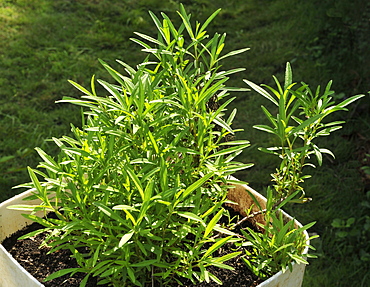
(281, 243)
(139, 190)
(298, 122)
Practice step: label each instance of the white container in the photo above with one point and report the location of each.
(12, 274)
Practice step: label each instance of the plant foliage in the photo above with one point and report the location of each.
(298, 122)
(138, 190)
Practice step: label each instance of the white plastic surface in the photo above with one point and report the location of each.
(12, 274)
(280, 279)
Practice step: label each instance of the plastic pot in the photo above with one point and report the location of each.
(12, 274)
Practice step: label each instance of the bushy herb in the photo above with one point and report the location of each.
(138, 191)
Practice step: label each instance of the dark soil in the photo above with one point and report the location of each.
(40, 264)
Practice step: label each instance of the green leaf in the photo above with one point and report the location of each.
(233, 53)
(212, 223)
(265, 129)
(237, 142)
(36, 181)
(172, 28)
(25, 207)
(285, 246)
(145, 263)
(33, 233)
(224, 230)
(136, 181)
(109, 212)
(216, 246)
(84, 281)
(150, 39)
(128, 68)
(141, 43)
(269, 150)
(306, 227)
(287, 199)
(117, 76)
(261, 91)
(232, 168)
(214, 278)
(288, 76)
(61, 273)
(159, 26)
(6, 158)
(78, 102)
(148, 192)
(269, 116)
(228, 150)
(191, 216)
(318, 154)
(227, 256)
(223, 124)
(197, 184)
(350, 100)
(221, 265)
(79, 87)
(110, 88)
(131, 274)
(324, 150)
(96, 255)
(298, 258)
(153, 141)
(305, 124)
(186, 21)
(209, 20)
(125, 238)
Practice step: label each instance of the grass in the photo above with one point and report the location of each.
(43, 43)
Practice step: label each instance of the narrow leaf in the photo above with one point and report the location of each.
(209, 20)
(350, 100)
(197, 184)
(136, 181)
(265, 128)
(60, 273)
(79, 87)
(191, 216)
(227, 256)
(144, 263)
(216, 246)
(288, 76)
(150, 39)
(233, 53)
(212, 223)
(261, 91)
(109, 212)
(125, 238)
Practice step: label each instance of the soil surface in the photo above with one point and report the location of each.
(40, 264)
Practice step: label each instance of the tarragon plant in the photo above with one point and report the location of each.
(299, 120)
(138, 191)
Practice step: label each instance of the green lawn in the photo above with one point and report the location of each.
(43, 43)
